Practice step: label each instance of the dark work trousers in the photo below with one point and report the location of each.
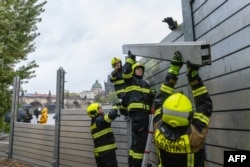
(106, 159)
(139, 123)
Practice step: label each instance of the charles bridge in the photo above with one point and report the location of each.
(49, 101)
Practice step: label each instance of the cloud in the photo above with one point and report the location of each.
(83, 36)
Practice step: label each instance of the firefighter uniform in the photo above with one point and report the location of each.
(119, 84)
(102, 134)
(116, 78)
(180, 132)
(139, 98)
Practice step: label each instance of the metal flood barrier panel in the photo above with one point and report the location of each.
(35, 143)
(227, 78)
(76, 143)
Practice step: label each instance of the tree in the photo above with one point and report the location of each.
(100, 98)
(18, 19)
(112, 98)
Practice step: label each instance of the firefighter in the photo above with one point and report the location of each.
(44, 116)
(180, 132)
(103, 137)
(139, 98)
(119, 85)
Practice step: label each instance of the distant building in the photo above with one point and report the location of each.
(89, 96)
(86, 96)
(109, 86)
(97, 87)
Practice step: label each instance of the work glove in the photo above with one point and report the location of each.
(114, 73)
(124, 102)
(130, 55)
(176, 64)
(153, 92)
(192, 71)
(172, 24)
(113, 113)
(123, 110)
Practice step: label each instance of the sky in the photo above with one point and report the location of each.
(82, 36)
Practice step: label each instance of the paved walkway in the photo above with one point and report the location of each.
(8, 162)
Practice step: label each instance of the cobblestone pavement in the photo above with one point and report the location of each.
(8, 162)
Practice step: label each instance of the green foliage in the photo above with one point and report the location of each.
(18, 19)
(100, 98)
(112, 98)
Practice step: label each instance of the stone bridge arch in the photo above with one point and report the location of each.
(35, 105)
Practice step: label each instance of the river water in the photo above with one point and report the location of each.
(51, 120)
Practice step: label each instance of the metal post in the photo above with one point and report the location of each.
(188, 28)
(14, 110)
(187, 20)
(189, 34)
(59, 106)
(129, 136)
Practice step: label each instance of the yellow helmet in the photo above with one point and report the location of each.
(137, 65)
(114, 61)
(177, 110)
(92, 109)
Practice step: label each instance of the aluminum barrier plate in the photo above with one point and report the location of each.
(196, 52)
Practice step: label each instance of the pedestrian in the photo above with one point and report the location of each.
(119, 84)
(180, 132)
(37, 112)
(44, 116)
(102, 134)
(139, 99)
(27, 117)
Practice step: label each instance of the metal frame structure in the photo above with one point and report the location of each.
(59, 107)
(14, 109)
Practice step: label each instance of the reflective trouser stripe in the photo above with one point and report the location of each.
(105, 148)
(190, 160)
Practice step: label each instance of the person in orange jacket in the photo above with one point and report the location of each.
(44, 116)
